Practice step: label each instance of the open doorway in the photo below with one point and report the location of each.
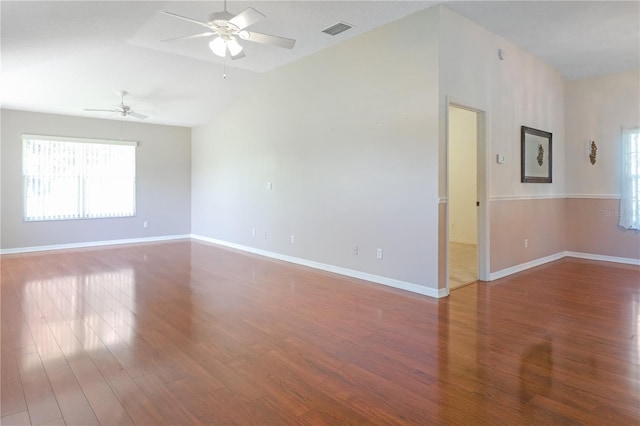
(463, 196)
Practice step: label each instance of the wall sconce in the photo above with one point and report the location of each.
(593, 149)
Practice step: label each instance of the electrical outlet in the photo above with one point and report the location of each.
(293, 239)
(355, 249)
(526, 243)
(253, 232)
(379, 253)
(145, 224)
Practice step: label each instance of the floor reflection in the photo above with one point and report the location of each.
(169, 331)
(536, 371)
(96, 308)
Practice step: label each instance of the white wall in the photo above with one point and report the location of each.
(349, 139)
(163, 181)
(520, 90)
(463, 222)
(597, 109)
(353, 139)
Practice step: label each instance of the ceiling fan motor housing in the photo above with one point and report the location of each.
(220, 19)
(124, 110)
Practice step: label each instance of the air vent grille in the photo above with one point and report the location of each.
(338, 28)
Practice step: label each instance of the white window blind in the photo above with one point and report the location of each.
(630, 193)
(73, 178)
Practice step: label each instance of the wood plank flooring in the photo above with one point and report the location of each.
(187, 333)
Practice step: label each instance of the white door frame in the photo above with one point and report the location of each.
(483, 164)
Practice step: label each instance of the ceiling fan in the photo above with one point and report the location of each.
(228, 28)
(122, 109)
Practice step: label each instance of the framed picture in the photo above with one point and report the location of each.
(535, 155)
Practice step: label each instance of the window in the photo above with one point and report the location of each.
(71, 178)
(630, 194)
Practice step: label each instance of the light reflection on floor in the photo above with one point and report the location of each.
(97, 308)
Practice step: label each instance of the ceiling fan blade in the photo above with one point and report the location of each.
(287, 43)
(138, 116)
(184, 18)
(206, 34)
(247, 17)
(100, 110)
(239, 55)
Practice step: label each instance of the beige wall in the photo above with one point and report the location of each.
(353, 140)
(463, 223)
(597, 109)
(348, 137)
(163, 181)
(585, 218)
(540, 221)
(592, 227)
(348, 166)
(519, 90)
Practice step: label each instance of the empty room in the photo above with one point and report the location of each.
(320, 212)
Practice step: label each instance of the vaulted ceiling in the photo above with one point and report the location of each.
(63, 57)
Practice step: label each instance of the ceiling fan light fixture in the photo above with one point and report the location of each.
(218, 46)
(233, 46)
(227, 28)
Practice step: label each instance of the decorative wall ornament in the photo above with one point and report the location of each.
(593, 148)
(540, 157)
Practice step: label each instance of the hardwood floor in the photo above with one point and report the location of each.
(188, 333)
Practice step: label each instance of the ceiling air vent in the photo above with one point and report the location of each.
(338, 28)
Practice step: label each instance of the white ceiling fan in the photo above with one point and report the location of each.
(228, 28)
(122, 110)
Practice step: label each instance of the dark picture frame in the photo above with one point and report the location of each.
(536, 155)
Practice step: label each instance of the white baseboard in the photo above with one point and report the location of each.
(92, 244)
(537, 262)
(524, 266)
(390, 282)
(626, 260)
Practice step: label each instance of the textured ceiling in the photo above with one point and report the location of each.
(300, 20)
(62, 57)
(578, 38)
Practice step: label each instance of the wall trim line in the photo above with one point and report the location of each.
(19, 250)
(594, 196)
(389, 282)
(541, 261)
(525, 197)
(555, 197)
(602, 258)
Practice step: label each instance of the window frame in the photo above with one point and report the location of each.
(629, 179)
(81, 198)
